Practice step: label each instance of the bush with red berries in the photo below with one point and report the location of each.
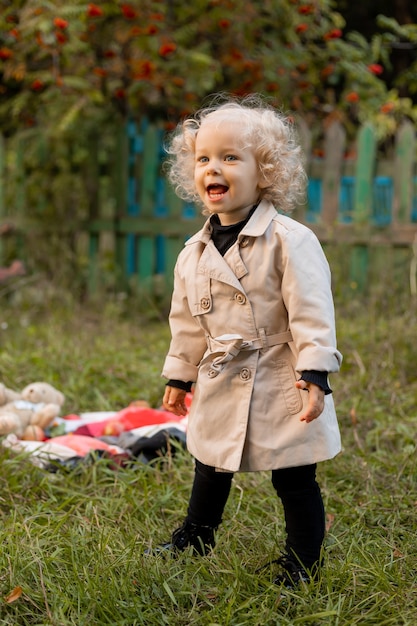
(65, 62)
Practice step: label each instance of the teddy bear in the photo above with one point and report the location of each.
(8, 395)
(28, 415)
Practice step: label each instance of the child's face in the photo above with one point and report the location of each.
(226, 173)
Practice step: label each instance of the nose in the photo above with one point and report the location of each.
(213, 167)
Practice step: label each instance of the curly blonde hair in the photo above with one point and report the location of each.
(270, 134)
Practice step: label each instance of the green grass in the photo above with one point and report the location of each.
(74, 541)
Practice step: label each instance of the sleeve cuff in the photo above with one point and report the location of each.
(180, 384)
(317, 378)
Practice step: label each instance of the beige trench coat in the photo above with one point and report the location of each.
(244, 327)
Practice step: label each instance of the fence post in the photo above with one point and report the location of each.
(305, 138)
(364, 175)
(146, 251)
(119, 183)
(404, 172)
(173, 243)
(334, 147)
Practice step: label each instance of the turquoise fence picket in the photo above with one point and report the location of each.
(414, 202)
(314, 200)
(346, 199)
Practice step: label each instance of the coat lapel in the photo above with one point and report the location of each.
(211, 262)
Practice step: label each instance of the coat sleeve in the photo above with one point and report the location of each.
(188, 343)
(306, 290)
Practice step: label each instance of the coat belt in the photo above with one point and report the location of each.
(219, 344)
(227, 347)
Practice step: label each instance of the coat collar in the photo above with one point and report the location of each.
(212, 264)
(256, 226)
(260, 220)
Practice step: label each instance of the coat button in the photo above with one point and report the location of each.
(205, 303)
(240, 298)
(245, 373)
(212, 373)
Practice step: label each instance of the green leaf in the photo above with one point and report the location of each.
(72, 115)
(170, 593)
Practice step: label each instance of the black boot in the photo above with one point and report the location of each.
(292, 572)
(201, 538)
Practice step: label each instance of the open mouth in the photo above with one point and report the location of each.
(216, 192)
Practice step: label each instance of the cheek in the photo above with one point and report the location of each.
(198, 178)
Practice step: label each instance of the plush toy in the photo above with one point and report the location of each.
(42, 392)
(32, 412)
(8, 395)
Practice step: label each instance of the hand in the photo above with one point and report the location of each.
(174, 401)
(315, 401)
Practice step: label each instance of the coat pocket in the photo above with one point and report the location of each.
(290, 393)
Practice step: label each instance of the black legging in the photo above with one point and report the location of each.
(298, 491)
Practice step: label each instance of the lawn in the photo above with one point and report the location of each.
(74, 541)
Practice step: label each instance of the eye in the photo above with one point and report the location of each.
(202, 159)
(230, 157)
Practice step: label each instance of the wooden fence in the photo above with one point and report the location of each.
(356, 197)
(100, 202)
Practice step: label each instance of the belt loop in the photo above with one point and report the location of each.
(262, 337)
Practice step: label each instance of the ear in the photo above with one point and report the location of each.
(262, 182)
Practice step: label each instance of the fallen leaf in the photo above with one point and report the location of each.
(329, 521)
(14, 595)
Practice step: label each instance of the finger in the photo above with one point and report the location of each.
(172, 397)
(175, 404)
(174, 408)
(301, 384)
(169, 400)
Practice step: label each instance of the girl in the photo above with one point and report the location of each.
(252, 323)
